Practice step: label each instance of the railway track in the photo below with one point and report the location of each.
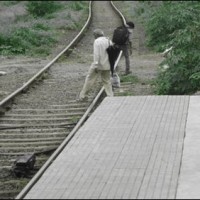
(41, 116)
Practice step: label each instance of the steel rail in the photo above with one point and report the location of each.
(119, 13)
(30, 81)
(32, 182)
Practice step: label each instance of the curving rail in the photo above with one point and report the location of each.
(71, 45)
(118, 12)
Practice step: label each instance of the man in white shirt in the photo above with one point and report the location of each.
(99, 67)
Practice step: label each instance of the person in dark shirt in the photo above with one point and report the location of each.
(127, 46)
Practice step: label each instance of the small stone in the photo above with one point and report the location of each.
(2, 73)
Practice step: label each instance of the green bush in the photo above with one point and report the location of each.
(40, 26)
(22, 40)
(177, 24)
(165, 20)
(42, 8)
(129, 78)
(182, 77)
(39, 37)
(77, 5)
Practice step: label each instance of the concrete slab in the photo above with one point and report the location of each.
(189, 182)
(130, 147)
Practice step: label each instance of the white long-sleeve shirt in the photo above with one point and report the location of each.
(100, 54)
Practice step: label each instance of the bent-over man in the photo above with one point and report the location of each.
(99, 67)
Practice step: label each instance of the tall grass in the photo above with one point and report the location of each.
(36, 32)
(42, 8)
(24, 41)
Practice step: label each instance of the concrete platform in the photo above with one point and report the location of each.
(130, 148)
(189, 181)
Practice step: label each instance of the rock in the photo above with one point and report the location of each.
(2, 73)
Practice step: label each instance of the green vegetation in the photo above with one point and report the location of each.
(171, 24)
(39, 26)
(175, 24)
(35, 32)
(42, 8)
(125, 94)
(10, 3)
(129, 78)
(25, 41)
(77, 5)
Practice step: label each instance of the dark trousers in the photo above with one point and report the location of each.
(125, 49)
